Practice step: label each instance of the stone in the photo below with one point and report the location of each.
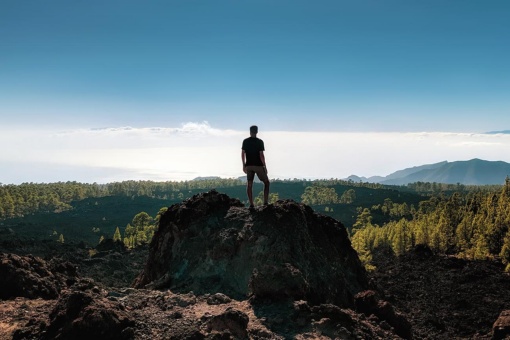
(212, 244)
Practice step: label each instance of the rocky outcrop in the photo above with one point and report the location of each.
(82, 315)
(444, 297)
(367, 303)
(501, 328)
(213, 244)
(233, 321)
(32, 277)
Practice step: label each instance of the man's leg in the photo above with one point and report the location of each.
(266, 191)
(249, 191)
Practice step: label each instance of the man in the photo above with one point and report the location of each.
(254, 162)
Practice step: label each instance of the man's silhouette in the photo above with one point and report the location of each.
(254, 162)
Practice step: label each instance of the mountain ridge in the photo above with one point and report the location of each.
(471, 172)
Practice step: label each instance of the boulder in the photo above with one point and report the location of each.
(501, 328)
(233, 321)
(367, 303)
(82, 315)
(212, 244)
(32, 277)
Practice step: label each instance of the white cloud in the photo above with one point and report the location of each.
(197, 149)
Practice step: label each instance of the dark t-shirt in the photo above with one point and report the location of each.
(252, 146)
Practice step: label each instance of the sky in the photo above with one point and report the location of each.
(101, 91)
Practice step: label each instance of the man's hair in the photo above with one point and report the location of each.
(254, 129)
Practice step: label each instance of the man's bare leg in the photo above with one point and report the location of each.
(249, 192)
(266, 192)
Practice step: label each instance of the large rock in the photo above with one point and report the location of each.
(212, 243)
(501, 328)
(81, 315)
(367, 303)
(32, 277)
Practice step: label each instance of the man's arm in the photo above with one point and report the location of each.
(243, 158)
(263, 159)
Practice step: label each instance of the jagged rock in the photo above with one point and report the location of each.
(218, 299)
(501, 328)
(182, 300)
(367, 303)
(81, 315)
(233, 321)
(212, 243)
(333, 313)
(32, 277)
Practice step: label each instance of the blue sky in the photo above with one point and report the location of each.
(290, 65)
(306, 66)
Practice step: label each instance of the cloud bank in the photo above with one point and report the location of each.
(198, 149)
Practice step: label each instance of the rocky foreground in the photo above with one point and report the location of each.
(217, 270)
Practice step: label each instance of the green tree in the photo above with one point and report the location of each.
(364, 219)
(505, 251)
(61, 239)
(348, 196)
(273, 197)
(129, 231)
(318, 195)
(140, 238)
(386, 206)
(141, 220)
(363, 242)
(116, 236)
(159, 214)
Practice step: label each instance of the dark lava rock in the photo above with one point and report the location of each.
(444, 297)
(367, 303)
(32, 277)
(81, 315)
(211, 243)
(218, 299)
(501, 328)
(233, 321)
(111, 245)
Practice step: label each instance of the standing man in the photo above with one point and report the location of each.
(254, 162)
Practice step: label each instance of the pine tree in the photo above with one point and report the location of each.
(116, 236)
(364, 219)
(140, 238)
(505, 251)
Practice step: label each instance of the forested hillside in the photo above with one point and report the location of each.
(450, 218)
(474, 224)
(28, 198)
(74, 211)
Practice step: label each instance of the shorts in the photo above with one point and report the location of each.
(251, 170)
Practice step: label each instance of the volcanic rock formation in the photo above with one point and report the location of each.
(215, 270)
(31, 277)
(210, 243)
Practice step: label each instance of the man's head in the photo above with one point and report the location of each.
(254, 130)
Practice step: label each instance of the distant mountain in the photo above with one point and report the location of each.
(243, 179)
(373, 179)
(355, 178)
(409, 171)
(206, 178)
(472, 172)
(506, 132)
